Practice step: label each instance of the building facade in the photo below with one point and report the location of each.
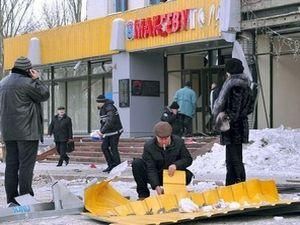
(274, 28)
(78, 63)
(140, 56)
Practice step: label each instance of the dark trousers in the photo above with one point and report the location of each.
(187, 124)
(20, 161)
(234, 164)
(61, 148)
(110, 150)
(139, 171)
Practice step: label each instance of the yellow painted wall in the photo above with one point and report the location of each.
(92, 38)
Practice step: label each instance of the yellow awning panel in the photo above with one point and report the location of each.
(92, 38)
(247, 197)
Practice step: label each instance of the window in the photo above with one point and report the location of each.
(121, 5)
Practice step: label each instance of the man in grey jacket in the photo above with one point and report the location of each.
(21, 94)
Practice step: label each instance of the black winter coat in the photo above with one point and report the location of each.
(21, 114)
(61, 128)
(173, 120)
(158, 159)
(110, 123)
(236, 107)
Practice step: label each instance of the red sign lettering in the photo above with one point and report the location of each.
(161, 25)
(176, 22)
(184, 19)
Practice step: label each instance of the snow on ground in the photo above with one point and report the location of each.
(272, 153)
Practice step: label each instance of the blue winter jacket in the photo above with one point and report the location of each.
(186, 99)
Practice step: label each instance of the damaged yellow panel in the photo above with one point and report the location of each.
(225, 193)
(99, 198)
(174, 184)
(246, 197)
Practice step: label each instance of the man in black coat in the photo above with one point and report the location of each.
(164, 151)
(61, 127)
(110, 129)
(233, 103)
(171, 116)
(21, 117)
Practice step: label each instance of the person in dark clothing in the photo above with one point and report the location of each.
(233, 105)
(61, 127)
(110, 129)
(164, 151)
(171, 116)
(21, 119)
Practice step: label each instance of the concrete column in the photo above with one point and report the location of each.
(263, 46)
(144, 111)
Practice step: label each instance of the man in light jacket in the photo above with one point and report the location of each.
(186, 99)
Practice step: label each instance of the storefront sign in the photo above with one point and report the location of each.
(166, 24)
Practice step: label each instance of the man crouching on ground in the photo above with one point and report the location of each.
(164, 151)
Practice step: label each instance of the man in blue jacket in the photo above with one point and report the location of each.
(186, 99)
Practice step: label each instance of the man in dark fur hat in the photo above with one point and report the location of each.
(230, 112)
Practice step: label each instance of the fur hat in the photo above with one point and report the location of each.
(23, 63)
(162, 129)
(101, 98)
(234, 66)
(174, 105)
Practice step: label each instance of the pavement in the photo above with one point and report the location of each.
(77, 177)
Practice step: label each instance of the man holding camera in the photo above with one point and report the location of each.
(21, 94)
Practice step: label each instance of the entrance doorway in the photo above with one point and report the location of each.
(202, 69)
(201, 83)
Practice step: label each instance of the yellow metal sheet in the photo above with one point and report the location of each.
(139, 208)
(99, 203)
(175, 184)
(211, 197)
(225, 193)
(197, 198)
(163, 209)
(153, 205)
(168, 202)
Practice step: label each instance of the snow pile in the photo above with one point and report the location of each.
(270, 151)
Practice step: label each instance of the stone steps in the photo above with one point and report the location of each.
(88, 151)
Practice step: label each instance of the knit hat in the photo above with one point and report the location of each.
(174, 105)
(101, 99)
(162, 129)
(23, 63)
(234, 66)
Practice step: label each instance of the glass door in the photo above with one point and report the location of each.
(196, 78)
(201, 83)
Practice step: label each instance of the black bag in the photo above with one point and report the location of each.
(70, 146)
